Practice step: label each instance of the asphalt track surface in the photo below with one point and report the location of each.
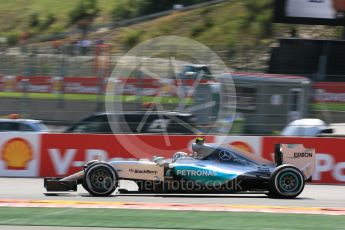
(331, 196)
(5, 227)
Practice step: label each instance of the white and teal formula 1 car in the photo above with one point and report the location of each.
(210, 168)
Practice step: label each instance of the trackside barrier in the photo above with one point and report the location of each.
(39, 155)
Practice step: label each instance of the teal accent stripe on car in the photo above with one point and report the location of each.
(204, 174)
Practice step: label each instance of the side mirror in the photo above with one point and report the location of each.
(158, 160)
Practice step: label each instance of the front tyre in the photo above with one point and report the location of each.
(100, 179)
(286, 181)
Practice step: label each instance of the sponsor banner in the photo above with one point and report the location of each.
(19, 154)
(33, 155)
(91, 85)
(329, 92)
(144, 86)
(47, 84)
(36, 84)
(84, 85)
(330, 157)
(63, 154)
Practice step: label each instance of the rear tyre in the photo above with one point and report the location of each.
(286, 181)
(100, 179)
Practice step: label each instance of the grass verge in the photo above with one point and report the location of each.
(91, 97)
(49, 96)
(129, 218)
(329, 106)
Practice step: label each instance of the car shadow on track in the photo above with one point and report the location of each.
(187, 196)
(239, 196)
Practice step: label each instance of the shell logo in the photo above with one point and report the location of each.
(242, 146)
(16, 153)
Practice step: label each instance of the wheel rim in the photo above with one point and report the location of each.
(289, 182)
(101, 181)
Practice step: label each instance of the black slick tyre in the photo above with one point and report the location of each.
(286, 181)
(100, 179)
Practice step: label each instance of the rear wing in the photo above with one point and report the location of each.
(297, 155)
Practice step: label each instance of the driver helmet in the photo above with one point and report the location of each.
(197, 146)
(200, 140)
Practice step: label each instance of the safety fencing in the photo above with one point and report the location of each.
(324, 92)
(39, 155)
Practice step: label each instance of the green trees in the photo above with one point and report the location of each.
(83, 14)
(85, 9)
(34, 20)
(260, 14)
(39, 23)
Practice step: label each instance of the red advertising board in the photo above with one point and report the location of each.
(90, 85)
(36, 84)
(330, 157)
(63, 154)
(329, 92)
(48, 84)
(148, 86)
(85, 85)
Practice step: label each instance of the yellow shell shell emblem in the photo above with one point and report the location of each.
(16, 153)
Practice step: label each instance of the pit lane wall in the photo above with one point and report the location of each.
(40, 155)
